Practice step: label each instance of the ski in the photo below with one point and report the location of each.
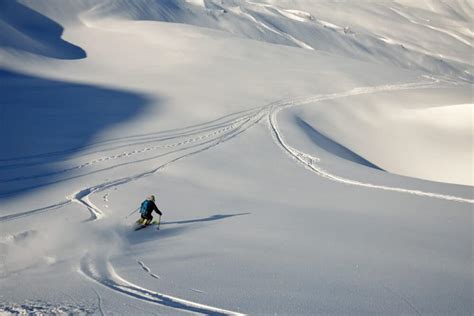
(145, 226)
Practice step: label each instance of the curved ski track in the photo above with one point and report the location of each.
(101, 271)
(310, 162)
(99, 268)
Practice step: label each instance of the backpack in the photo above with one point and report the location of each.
(144, 208)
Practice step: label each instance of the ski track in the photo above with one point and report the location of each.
(403, 299)
(197, 291)
(310, 162)
(99, 302)
(148, 270)
(185, 145)
(156, 276)
(127, 154)
(108, 168)
(10, 217)
(144, 267)
(82, 198)
(153, 136)
(100, 270)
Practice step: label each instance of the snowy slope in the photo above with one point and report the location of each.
(286, 142)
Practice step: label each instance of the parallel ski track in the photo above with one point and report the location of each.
(194, 138)
(127, 141)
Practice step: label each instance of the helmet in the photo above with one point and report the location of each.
(151, 198)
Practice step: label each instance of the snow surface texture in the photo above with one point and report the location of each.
(310, 157)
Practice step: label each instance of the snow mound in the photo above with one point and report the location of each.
(410, 138)
(24, 29)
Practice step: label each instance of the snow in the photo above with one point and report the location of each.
(410, 122)
(310, 157)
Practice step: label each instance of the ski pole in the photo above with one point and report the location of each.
(159, 222)
(132, 213)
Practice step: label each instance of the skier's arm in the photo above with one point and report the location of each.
(157, 210)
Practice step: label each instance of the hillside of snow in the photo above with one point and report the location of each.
(309, 157)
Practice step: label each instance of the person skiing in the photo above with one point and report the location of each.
(146, 209)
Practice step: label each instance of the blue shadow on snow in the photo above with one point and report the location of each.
(44, 121)
(205, 219)
(331, 146)
(146, 234)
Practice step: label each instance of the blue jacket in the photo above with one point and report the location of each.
(148, 207)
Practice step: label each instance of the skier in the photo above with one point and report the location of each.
(146, 209)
